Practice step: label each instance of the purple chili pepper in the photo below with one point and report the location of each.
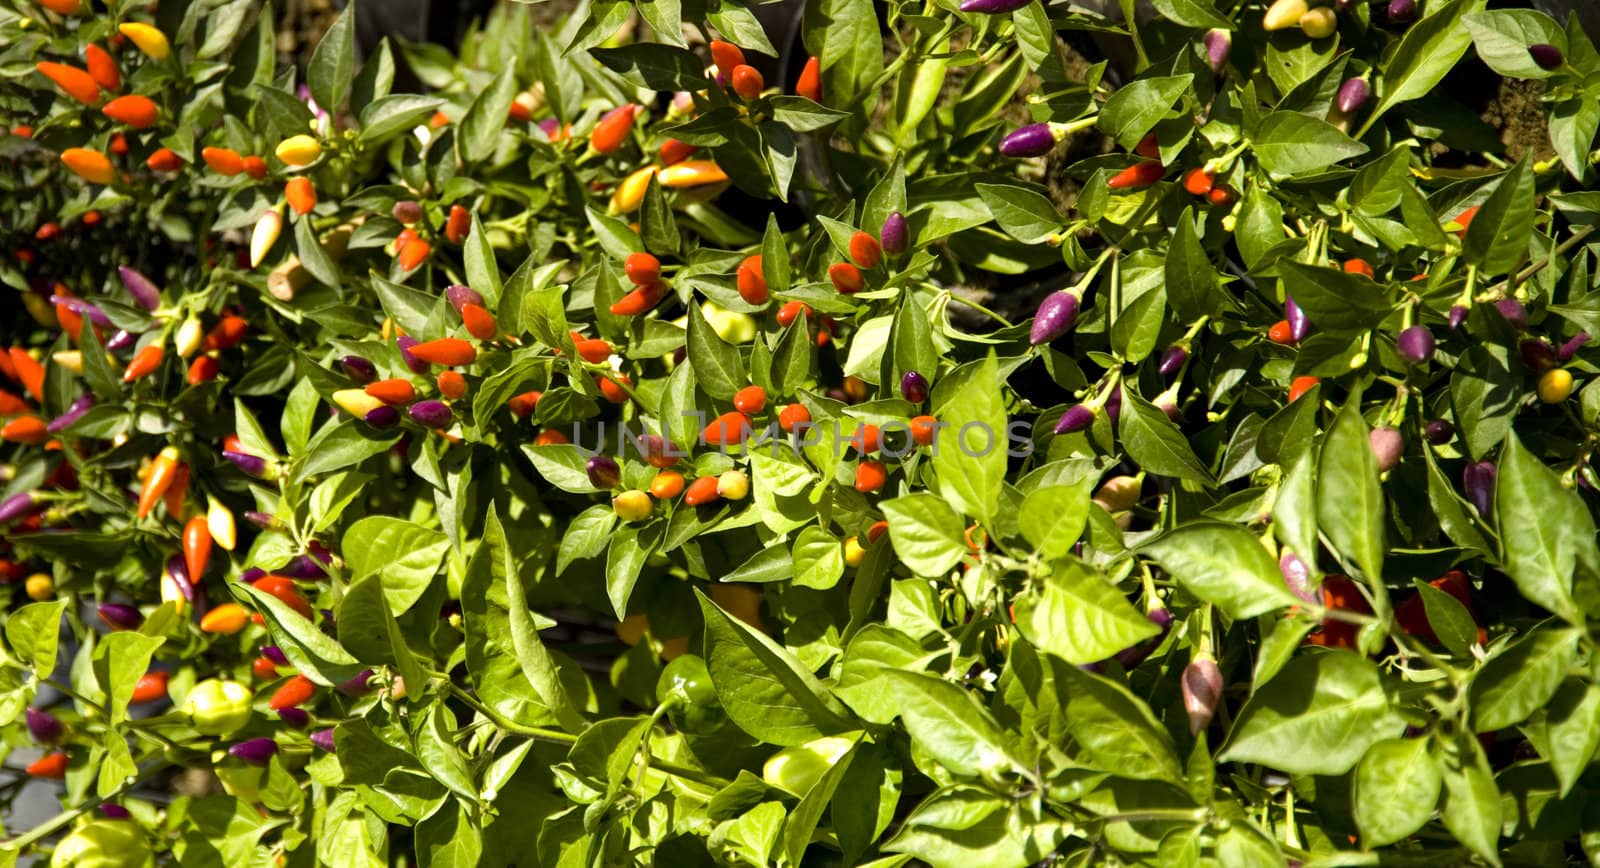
(1172, 360)
(993, 7)
(359, 368)
(44, 727)
(303, 567)
(1202, 689)
(1546, 56)
(1132, 656)
(550, 126)
(1353, 94)
(1402, 11)
(142, 288)
(603, 471)
(296, 718)
(275, 654)
(119, 616)
(178, 572)
(1114, 406)
(323, 738)
(1571, 347)
(1537, 354)
(250, 465)
(1387, 447)
(1415, 345)
(1219, 44)
(1299, 324)
(84, 309)
(1033, 140)
(260, 519)
(1478, 480)
(15, 507)
(405, 343)
(1458, 315)
(460, 296)
(121, 340)
(74, 412)
(358, 685)
(115, 812)
(1515, 314)
(1170, 407)
(1297, 577)
(250, 575)
(431, 414)
(1439, 432)
(914, 387)
(1077, 418)
(255, 751)
(382, 417)
(895, 236)
(1054, 317)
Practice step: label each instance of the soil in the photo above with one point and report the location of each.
(1517, 113)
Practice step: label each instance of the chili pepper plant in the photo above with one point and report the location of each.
(981, 433)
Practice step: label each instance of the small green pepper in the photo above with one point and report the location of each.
(693, 704)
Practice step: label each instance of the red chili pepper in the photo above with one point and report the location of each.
(264, 669)
(223, 161)
(1198, 181)
(524, 404)
(641, 300)
(301, 194)
(747, 81)
(673, 152)
(102, 67)
(150, 687)
(203, 369)
(196, 547)
(726, 55)
(702, 491)
(29, 430)
(413, 253)
(451, 384)
(791, 311)
(642, 268)
(871, 476)
(283, 588)
(164, 160)
(613, 129)
(1341, 594)
(395, 391)
(134, 110)
(254, 166)
(1281, 333)
(52, 766)
(1148, 147)
(176, 491)
(810, 83)
(727, 430)
(293, 693)
(226, 334)
(750, 399)
(1141, 174)
(865, 250)
(592, 350)
(611, 387)
(144, 361)
(479, 321)
(163, 470)
(28, 372)
(1301, 385)
(78, 84)
(458, 225)
(751, 281)
(445, 351)
(846, 278)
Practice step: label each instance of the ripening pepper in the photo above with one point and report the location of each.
(747, 81)
(223, 161)
(413, 253)
(218, 707)
(163, 471)
(613, 129)
(150, 687)
(1283, 14)
(1054, 317)
(301, 195)
(865, 250)
(702, 491)
(431, 414)
(871, 476)
(592, 350)
(227, 619)
(752, 283)
(451, 385)
(846, 278)
(254, 166)
(1319, 23)
(89, 164)
(1139, 175)
(28, 430)
(457, 225)
(268, 227)
(750, 400)
(196, 546)
(691, 173)
(1555, 385)
(50, 767)
(672, 151)
(726, 55)
(295, 692)
(614, 388)
(632, 505)
(642, 269)
(666, 485)
(219, 524)
(298, 151)
(729, 429)
(146, 360)
(134, 110)
(630, 192)
(1202, 690)
(149, 40)
(641, 300)
(164, 160)
(446, 351)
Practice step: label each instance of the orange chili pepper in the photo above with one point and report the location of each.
(227, 619)
(89, 164)
(28, 372)
(29, 430)
(294, 692)
(451, 384)
(479, 321)
(1141, 174)
(810, 83)
(283, 588)
(667, 485)
(395, 391)
(150, 687)
(196, 547)
(223, 161)
(51, 766)
(143, 362)
(164, 160)
(102, 67)
(702, 491)
(445, 351)
(301, 195)
(176, 491)
(160, 477)
(641, 300)
(524, 404)
(458, 224)
(75, 82)
(134, 110)
(613, 129)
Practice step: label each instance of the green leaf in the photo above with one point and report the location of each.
(404, 555)
(389, 116)
(1318, 716)
(483, 272)
(630, 548)
(964, 825)
(313, 258)
(34, 634)
(803, 115)
(969, 455)
(1134, 110)
(341, 445)
(1222, 564)
(1155, 443)
(1114, 728)
(1053, 516)
(436, 749)
(333, 63)
(1350, 502)
(586, 535)
(1448, 618)
(717, 366)
(654, 66)
(1335, 301)
(486, 117)
(1484, 395)
(1026, 214)
(803, 820)
(1397, 787)
(1521, 678)
(846, 36)
(538, 666)
(1471, 807)
(1079, 616)
(1425, 54)
(1193, 13)
(947, 723)
(120, 658)
(1573, 123)
(765, 690)
(1290, 144)
(1497, 239)
(368, 630)
(1193, 283)
(1502, 37)
(1546, 531)
(927, 534)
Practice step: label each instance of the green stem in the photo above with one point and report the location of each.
(979, 308)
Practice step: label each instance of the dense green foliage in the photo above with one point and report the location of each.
(1175, 572)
